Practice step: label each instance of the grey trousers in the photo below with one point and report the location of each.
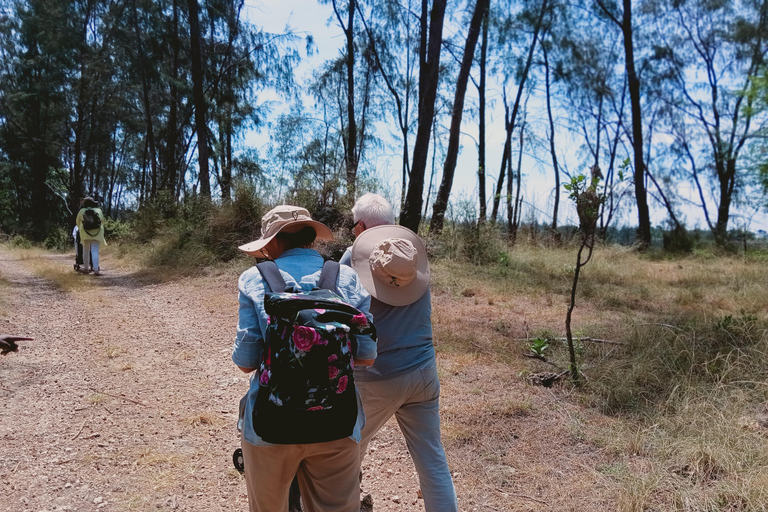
(413, 399)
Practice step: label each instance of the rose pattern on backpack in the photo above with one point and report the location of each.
(326, 325)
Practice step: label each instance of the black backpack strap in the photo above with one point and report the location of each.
(272, 276)
(329, 276)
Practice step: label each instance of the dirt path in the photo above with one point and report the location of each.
(127, 400)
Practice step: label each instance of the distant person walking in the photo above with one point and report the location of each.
(392, 264)
(90, 223)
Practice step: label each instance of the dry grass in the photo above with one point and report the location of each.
(678, 414)
(203, 419)
(114, 351)
(62, 276)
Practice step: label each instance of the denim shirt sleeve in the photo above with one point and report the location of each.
(357, 296)
(249, 341)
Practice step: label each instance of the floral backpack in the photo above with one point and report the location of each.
(306, 387)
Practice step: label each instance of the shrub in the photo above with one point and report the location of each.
(235, 223)
(58, 240)
(21, 242)
(478, 244)
(678, 240)
(116, 229)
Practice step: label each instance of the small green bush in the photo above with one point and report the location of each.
(58, 240)
(21, 242)
(481, 244)
(116, 229)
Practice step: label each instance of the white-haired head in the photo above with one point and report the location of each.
(373, 210)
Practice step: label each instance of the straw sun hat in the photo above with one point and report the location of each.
(288, 219)
(392, 264)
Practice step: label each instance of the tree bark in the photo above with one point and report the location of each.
(449, 168)
(516, 107)
(147, 106)
(552, 151)
(429, 71)
(199, 99)
(641, 196)
(481, 120)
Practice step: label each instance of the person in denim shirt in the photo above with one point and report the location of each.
(328, 472)
(392, 264)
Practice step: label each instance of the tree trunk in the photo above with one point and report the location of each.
(644, 220)
(515, 108)
(199, 98)
(552, 151)
(481, 120)
(147, 107)
(410, 217)
(351, 157)
(726, 194)
(171, 165)
(449, 169)
(505, 155)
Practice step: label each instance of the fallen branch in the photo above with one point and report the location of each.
(79, 431)
(118, 396)
(505, 493)
(587, 338)
(544, 360)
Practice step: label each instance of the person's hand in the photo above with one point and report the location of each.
(8, 343)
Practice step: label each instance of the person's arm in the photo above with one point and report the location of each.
(346, 258)
(8, 343)
(246, 353)
(359, 297)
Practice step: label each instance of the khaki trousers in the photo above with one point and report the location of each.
(328, 475)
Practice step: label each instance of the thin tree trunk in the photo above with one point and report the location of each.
(481, 119)
(428, 81)
(644, 219)
(552, 151)
(515, 108)
(449, 169)
(505, 156)
(171, 162)
(199, 99)
(147, 106)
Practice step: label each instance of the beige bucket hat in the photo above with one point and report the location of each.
(289, 219)
(392, 264)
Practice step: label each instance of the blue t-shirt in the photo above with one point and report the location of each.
(306, 264)
(404, 336)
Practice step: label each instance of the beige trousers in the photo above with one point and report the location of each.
(328, 475)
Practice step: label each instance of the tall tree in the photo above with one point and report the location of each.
(481, 119)
(449, 168)
(391, 41)
(351, 156)
(551, 135)
(199, 98)
(536, 19)
(429, 74)
(725, 44)
(624, 21)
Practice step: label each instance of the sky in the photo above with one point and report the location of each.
(309, 16)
